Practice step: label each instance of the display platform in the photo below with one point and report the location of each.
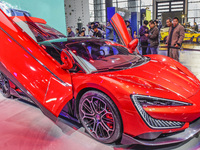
(23, 126)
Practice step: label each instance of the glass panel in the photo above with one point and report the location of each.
(193, 13)
(193, 0)
(123, 4)
(103, 13)
(177, 6)
(91, 7)
(181, 9)
(98, 7)
(146, 2)
(163, 7)
(122, 0)
(97, 1)
(102, 1)
(91, 1)
(103, 6)
(104, 19)
(192, 6)
(160, 4)
(180, 2)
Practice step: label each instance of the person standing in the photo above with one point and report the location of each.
(144, 39)
(70, 32)
(175, 38)
(129, 27)
(91, 29)
(153, 37)
(77, 32)
(97, 33)
(134, 35)
(168, 24)
(196, 27)
(82, 34)
(109, 32)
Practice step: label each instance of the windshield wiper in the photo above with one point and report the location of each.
(107, 69)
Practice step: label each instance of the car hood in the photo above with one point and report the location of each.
(157, 75)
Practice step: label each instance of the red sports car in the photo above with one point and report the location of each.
(117, 94)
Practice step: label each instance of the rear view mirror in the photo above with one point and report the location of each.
(133, 44)
(67, 60)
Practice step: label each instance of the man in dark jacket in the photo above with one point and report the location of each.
(97, 33)
(143, 39)
(175, 38)
(70, 32)
(196, 27)
(129, 27)
(153, 37)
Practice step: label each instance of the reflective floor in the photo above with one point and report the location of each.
(24, 127)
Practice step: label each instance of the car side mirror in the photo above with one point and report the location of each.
(67, 60)
(132, 45)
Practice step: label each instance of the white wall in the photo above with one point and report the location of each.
(75, 9)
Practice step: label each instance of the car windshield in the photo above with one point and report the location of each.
(102, 55)
(38, 31)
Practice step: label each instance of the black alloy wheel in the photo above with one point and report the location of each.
(4, 86)
(100, 117)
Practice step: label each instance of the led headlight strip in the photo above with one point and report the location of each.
(141, 101)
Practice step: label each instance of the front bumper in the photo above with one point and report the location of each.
(188, 133)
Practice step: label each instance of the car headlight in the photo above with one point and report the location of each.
(141, 101)
(155, 101)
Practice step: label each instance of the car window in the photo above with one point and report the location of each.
(54, 52)
(104, 56)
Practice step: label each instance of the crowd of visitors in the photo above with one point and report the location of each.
(94, 30)
(149, 34)
(149, 39)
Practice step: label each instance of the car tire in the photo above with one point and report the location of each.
(100, 117)
(4, 86)
(198, 39)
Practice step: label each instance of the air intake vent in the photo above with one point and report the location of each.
(156, 123)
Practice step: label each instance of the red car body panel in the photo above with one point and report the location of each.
(127, 82)
(31, 70)
(42, 77)
(121, 29)
(121, 96)
(34, 19)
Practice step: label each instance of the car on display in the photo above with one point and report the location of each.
(117, 94)
(190, 35)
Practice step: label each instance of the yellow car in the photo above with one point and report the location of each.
(190, 35)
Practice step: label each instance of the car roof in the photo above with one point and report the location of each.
(71, 40)
(76, 39)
